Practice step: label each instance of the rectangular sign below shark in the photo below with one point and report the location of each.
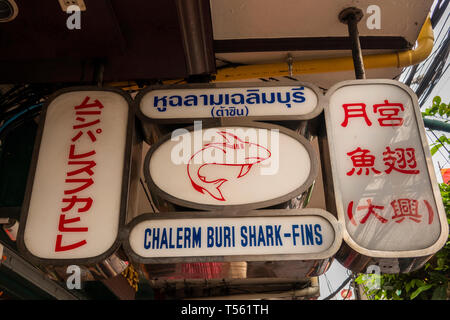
(252, 101)
(308, 234)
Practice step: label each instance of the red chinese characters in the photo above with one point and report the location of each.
(401, 160)
(388, 113)
(362, 159)
(80, 175)
(371, 210)
(355, 110)
(403, 208)
(406, 208)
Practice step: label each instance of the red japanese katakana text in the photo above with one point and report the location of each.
(80, 175)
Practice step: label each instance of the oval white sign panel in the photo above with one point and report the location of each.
(247, 236)
(77, 188)
(281, 102)
(255, 165)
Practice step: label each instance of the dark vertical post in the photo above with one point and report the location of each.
(99, 69)
(351, 17)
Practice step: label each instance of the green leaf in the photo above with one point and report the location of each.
(435, 149)
(408, 286)
(441, 262)
(434, 109)
(440, 293)
(420, 290)
(437, 100)
(437, 276)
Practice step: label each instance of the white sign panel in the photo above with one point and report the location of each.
(385, 188)
(281, 102)
(251, 164)
(252, 236)
(78, 180)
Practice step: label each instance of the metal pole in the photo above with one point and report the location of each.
(436, 125)
(351, 17)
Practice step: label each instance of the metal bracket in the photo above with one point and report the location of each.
(290, 61)
(351, 16)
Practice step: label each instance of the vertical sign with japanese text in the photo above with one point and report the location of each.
(75, 194)
(386, 192)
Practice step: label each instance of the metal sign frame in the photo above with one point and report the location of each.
(248, 206)
(208, 86)
(124, 189)
(429, 165)
(236, 214)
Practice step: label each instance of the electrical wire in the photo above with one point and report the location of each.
(439, 150)
(439, 141)
(10, 120)
(339, 288)
(328, 283)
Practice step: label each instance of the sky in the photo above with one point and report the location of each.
(442, 89)
(337, 274)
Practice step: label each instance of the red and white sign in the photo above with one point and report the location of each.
(251, 164)
(386, 191)
(75, 192)
(346, 294)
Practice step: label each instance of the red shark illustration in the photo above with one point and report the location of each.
(231, 143)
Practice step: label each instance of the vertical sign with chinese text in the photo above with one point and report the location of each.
(75, 194)
(386, 192)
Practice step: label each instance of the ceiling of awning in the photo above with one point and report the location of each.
(169, 39)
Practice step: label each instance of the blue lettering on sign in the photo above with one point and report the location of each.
(226, 236)
(197, 237)
(179, 238)
(219, 237)
(257, 236)
(167, 238)
(230, 105)
(164, 238)
(310, 234)
(317, 230)
(148, 233)
(155, 239)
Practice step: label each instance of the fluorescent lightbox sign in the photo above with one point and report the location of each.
(386, 191)
(246, 166)
(76, 196)
(308, 234)
(255, 101)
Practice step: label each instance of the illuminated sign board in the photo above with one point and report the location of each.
(385, 188)
(249, 165)
(308, 234)
(76, 197)
(258, 101)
